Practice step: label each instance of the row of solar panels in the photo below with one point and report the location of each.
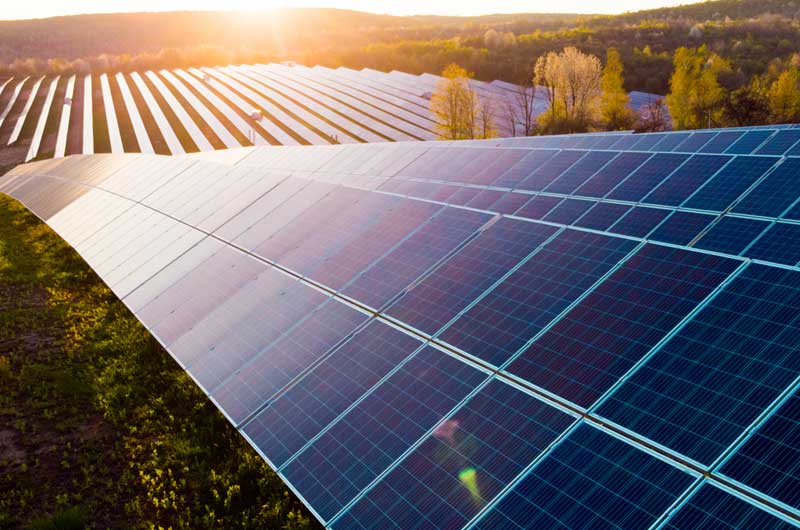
(178, 111)
(419, 353)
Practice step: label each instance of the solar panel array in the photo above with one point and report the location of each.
(202, 109)
(596, 331)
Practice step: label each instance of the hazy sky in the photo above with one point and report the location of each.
(19, 9)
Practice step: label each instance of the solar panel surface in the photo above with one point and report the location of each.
(475, 334)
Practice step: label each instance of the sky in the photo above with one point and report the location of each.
(22, 9)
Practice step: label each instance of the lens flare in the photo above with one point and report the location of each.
(469, 478)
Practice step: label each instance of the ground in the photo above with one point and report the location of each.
(99, 427)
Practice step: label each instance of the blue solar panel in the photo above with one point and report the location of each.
(749, 142)
(626, 142)
(639, 221)
(406, 262)
(779, 244)
(300, 348)
(615, 172)
(538, 206)
(364, 442)
(683, 182)
(731, 235)
(647, 141)
(591, 480)
(431, 303)
(721, 142)
(550, 170)
(702, 389)
(304, 410)
(596, 342)
(606, 141)
(462, 465)
(568, 211)
(779, 143)
(576, 175)
(512, 313)
(304, 319)
(405, 218)
(695, 142)
(670, 141)
(777, 192)
(727, 185)
(531, 162)
(647, 177)
(713, 509)
(509, 203)
(681, 228)
(769, 461)
(602, 215)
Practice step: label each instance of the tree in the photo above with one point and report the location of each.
(747, 105)
(520, 111)
(696, 98)
(615, 112)
(460, 113)
(572, 82)
(652, 117)
(784, 97)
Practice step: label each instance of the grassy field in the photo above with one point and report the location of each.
(99, 428)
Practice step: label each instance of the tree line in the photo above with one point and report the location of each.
(580, 93)
(583, 95)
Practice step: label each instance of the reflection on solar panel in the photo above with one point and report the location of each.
(592, 331)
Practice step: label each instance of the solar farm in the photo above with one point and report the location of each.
(586, 331)
(179, 111)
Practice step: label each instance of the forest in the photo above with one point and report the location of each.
(749, 34)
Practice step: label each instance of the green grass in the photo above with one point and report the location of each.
(99, 427)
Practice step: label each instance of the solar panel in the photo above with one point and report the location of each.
(472, 335)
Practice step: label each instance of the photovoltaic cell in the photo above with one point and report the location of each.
(721, 142)
(591, 480)
(304, 410)
(639, 221)
(580, 172)
(695, 142)
(538, 206)
(713, 509)
(779, 244)
(777, 192)
(298, 349)
(397, 269)
(527, 165)
(780, 142)
(674, 190)
(615, 172)
(749, 142)
(727, 185)
(512, 313)
(465, 463)
(604, 335)
(647, 177)
(702, 389)
(681, 228)
(769, 461)
(430, 304)
(602, 215)
(731, 235)
(670, 141)
(541, 177)
(568, 211)
(347, 457)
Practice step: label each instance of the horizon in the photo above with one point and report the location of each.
(468, 8)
